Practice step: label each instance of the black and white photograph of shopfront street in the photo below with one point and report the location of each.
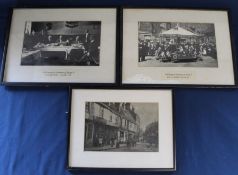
(121, 127)
(176, 44)
(61, 43)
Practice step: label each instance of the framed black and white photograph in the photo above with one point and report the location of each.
(177, 47)
(64, 45)
(116, 131)
(133, 127)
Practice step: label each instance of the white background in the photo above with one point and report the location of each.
(132, 73)
(80, 158)
(105, 73)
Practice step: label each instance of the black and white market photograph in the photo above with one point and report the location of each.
(176, 44)
(74, 43)
(121, 127)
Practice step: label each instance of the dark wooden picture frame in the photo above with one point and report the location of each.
(42, 83)
(180, 85)
(75, 169)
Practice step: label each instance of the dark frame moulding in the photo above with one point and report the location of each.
(119, 55)
(145, 86)
(99, 169)
(47, 84)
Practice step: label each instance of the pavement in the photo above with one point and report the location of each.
(140, 147)
(204, 61)
(103, 148)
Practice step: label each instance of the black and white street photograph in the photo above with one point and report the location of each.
(176, 44)
(121, 127)
(56, 43)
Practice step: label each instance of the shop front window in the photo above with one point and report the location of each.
(101, 113)
(110, 119)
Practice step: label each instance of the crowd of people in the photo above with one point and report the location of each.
(101, 141)
(166, 50)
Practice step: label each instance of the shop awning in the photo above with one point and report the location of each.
(178, 31)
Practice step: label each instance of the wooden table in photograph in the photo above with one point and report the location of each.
(53, 55)
(60, 52)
